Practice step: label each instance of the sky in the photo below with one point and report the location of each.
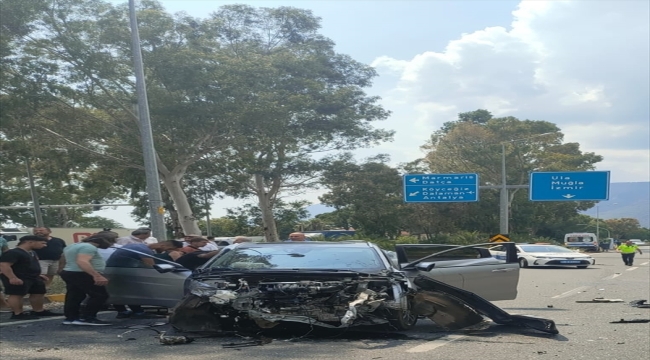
(583, 65)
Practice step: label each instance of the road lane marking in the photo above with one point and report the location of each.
(645, 263)
(632, 268)
(613, 276)
(570, 292)
(434, 344)
(9, 323)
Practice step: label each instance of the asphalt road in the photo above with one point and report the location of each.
(585, 329)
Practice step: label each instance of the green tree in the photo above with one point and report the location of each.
(247, 94)
(287, 216)
(474, 144)
(624, 228)
(371, 192)
(303, 99)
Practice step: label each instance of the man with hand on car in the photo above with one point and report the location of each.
(131, 256)
(627, 251)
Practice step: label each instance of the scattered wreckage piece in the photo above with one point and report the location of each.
(164, 339)
(640, 304)
(633, 321)
(600, 300)
(475, 305)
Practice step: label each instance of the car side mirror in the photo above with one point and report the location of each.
(164, 268)
(425, 266)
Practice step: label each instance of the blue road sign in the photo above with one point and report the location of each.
(569, 186)
(440, 187)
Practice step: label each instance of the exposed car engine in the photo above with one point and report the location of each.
(323, 301)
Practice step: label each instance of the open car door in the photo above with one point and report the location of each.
(131, 282)
(471, 268)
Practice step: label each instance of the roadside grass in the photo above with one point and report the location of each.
(57, 286)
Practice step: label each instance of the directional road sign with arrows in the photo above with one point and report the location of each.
(569, 186)
(441, 187)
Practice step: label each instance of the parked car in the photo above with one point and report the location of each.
(546, 255)
(334, 285)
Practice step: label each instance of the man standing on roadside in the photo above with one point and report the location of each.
(21, 275)
(50, 257)
(195, 244)
(83, 278)
(627, 251)
(4, 247)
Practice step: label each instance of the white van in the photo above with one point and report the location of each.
(586, 241)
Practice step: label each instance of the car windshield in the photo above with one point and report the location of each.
(546, 249)
(300, 256)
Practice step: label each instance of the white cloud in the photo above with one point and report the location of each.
(580, 64)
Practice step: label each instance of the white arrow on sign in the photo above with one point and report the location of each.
(568, 196)
(414, 180)
(414, 193)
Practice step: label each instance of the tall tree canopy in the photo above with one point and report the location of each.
(242, 100)
(474, 143)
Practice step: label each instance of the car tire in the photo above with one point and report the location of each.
(583, 267)
(403, 320)
(523, 263)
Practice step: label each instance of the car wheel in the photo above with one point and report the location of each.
(582, 267)
(523, 263)
(403, 319)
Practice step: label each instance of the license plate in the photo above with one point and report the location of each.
(570, 262)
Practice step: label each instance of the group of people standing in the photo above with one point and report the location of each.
(29, 268)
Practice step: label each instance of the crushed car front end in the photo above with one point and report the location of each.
(333, 299)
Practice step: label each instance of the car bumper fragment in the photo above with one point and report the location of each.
(477, 305)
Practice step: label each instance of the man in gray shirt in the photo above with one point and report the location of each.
(83, 278)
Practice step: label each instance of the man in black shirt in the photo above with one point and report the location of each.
(21, 275)
(50, 257)
(195, 259)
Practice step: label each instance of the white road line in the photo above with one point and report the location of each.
(434, 344)
(645, 263)
(10, 323)
(613, 276)
(31, 321)
(632, 268)
(570, 292)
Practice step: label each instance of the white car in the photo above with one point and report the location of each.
(546, 255)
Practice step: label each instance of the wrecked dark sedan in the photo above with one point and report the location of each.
(346, 284)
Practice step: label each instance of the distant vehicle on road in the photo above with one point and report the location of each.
(638, 242)
(546, 255)
(585, 241)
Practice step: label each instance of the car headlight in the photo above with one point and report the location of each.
(201, 289)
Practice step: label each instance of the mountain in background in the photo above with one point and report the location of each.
(626, 200)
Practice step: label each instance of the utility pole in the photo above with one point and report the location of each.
(156, 209)
(207, 210)
(503, 203)
(32, 189)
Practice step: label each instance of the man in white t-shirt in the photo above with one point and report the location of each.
(139, 236)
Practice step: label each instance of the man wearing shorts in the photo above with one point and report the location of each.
(50, 257)
(21, 275)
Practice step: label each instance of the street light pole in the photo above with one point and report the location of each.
(156, 209)
(597, 223)
(503, 203)
(504, 206)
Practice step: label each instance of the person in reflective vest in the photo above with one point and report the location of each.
(627, 250)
